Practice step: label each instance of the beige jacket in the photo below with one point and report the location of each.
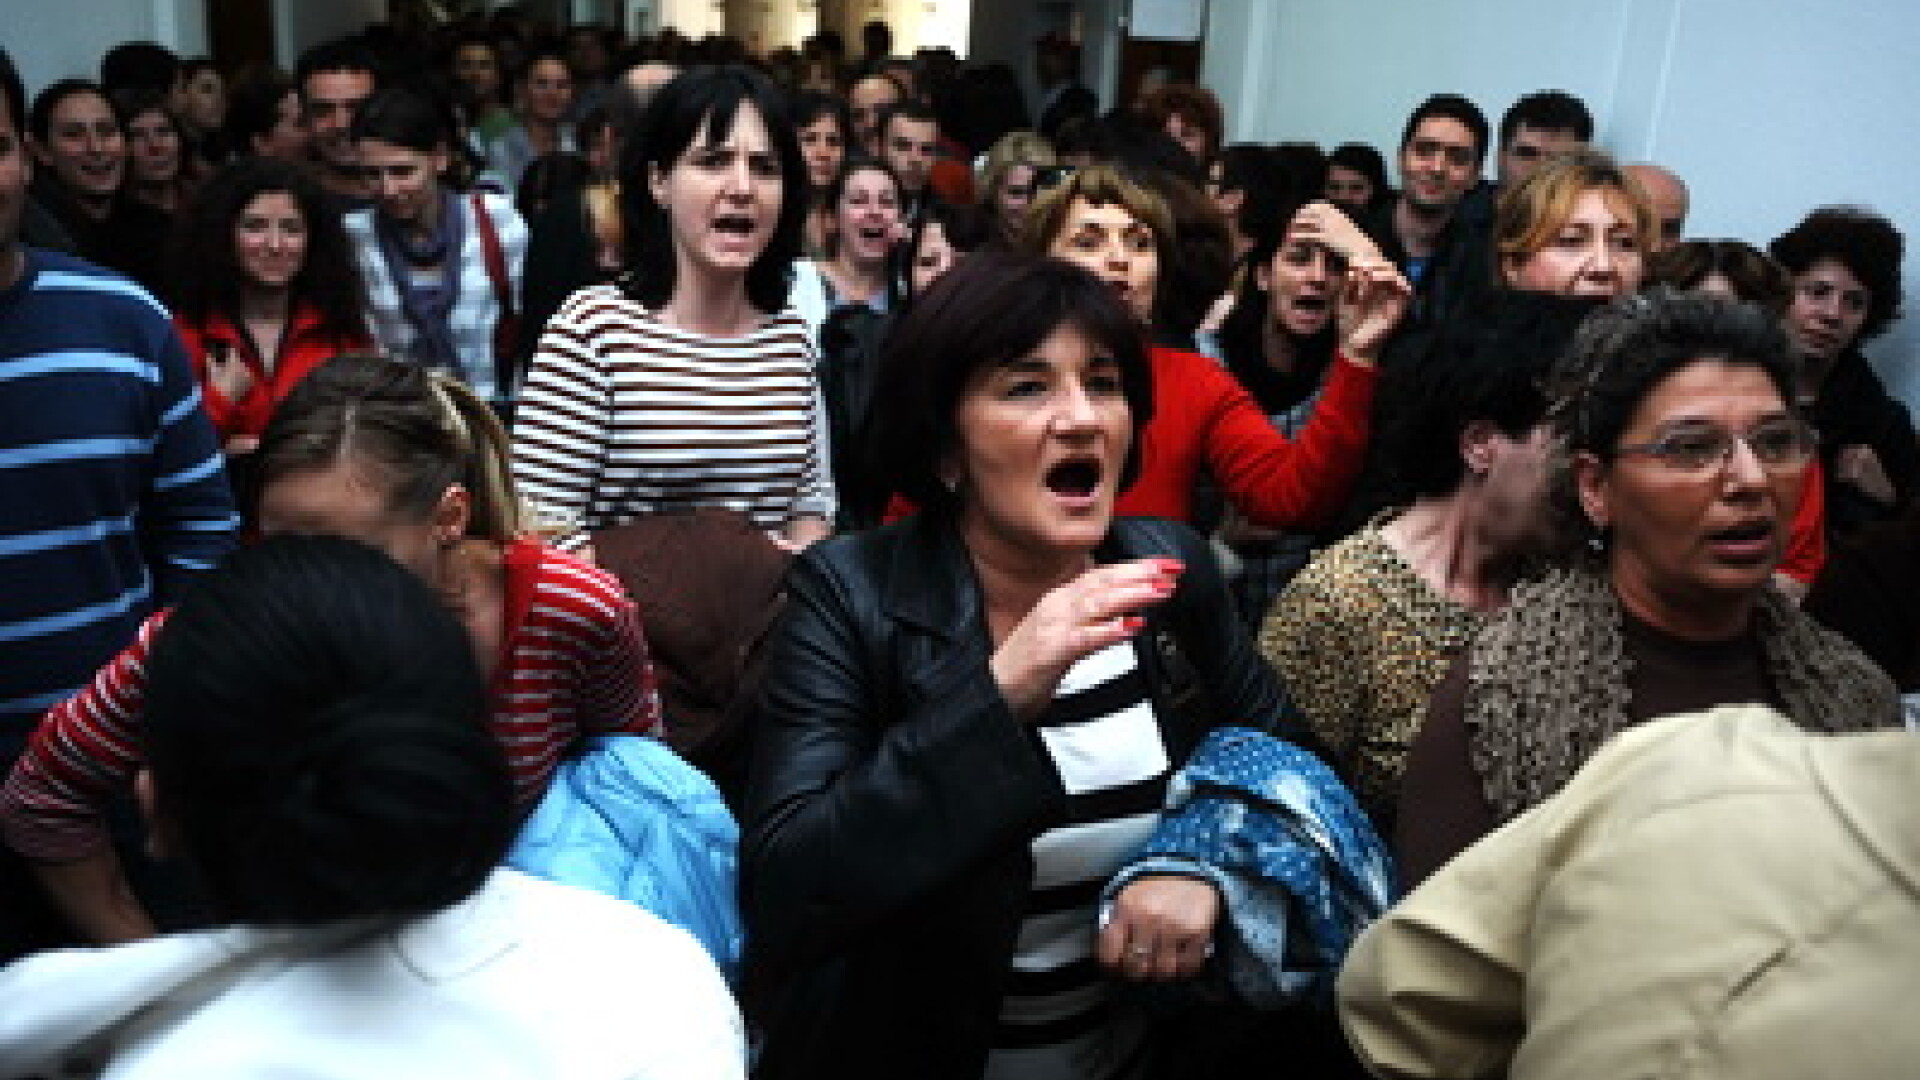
(1715, 895)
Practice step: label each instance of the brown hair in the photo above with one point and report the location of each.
(1755, 277)
(1101, 185)
(1196, 105)
(422, 432)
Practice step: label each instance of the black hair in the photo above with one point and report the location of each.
(253, 107)
(404, 118)
(965, 226)
(139, 65)
(548, 177)
(808, 106)
(1628, 347)
(130, 104)
(703, 103)
(1368, 162)
(1490, 366)
(1243, 332)
(543, 50)
(1450, 107)
(206, 280)
(1547, 110)
(1865, 243)
(478, 37)
(342, 54)
(40, 115)
(905, 108)
(316, 727)
(1754, 276)
(13, 93)
(994, 307)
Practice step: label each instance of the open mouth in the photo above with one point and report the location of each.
(739, 225)
(1746, 542)
(1075, 477)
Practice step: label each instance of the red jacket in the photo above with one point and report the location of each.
(303, 347)
(1202, 416)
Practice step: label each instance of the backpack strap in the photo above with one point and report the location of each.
(506, 330)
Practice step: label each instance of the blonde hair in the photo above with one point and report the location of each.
(1014, 148)
(1527, 218)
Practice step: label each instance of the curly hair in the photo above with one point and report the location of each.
(1868, 245)
(207, 280)
(1196, 105)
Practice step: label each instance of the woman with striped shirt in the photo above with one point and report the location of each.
(413, 463)
(686, 384)
(971, 715)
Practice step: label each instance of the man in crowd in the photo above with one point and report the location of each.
(112, 491)
(1442, 150)
(335, 78)
(909, 142)
(1668, 194)
(868, 98)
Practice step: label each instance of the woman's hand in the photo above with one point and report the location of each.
(1373, 299)
(1161, 927)
(1321, 222)
(1100, 607)
(801, 533)
(1859, 467)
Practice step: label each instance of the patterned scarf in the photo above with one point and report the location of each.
(1547, 682)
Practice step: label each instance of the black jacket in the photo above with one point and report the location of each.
(893, 796)
(1854, 409)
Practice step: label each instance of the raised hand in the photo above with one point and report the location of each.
(1372, 301)
(1098, 608)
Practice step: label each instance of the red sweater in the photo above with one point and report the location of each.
(303, 346)
(1202, 416)
(1807, 543)
(572, 660)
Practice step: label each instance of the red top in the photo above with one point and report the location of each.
(572, 660)
(1203, 416)
(303, 346)
(1807, 542)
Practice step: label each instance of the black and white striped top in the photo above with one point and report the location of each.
(1056, 1020)
(623, 415)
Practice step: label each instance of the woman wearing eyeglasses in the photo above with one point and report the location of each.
(1684, 455)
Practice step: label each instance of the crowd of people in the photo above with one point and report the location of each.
(977, 492)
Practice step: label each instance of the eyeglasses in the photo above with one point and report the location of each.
(1780, 446)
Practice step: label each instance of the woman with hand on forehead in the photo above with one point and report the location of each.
(1100, 219)
(971, 714)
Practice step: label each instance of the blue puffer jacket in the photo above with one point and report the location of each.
(1298, 865)
(630, 819)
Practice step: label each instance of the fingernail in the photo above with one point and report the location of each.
(1170, 566)
(1132, 623)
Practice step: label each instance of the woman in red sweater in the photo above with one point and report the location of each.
(414, 464)
(1104, 221)
(264, 290)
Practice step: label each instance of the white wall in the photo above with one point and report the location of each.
(50, 40)
(1767, 108)
(300, 24)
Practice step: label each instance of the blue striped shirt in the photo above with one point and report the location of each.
(112, 488)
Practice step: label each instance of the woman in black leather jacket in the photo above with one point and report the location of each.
(970, 715)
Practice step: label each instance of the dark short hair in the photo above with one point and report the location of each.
(904, 109)
(994, 307)
(1490, 366)
(810, 105)
(1365, 160)
(1628, 347)
(1547, 110)
(1755, 277)
(965, 226)
(1195, 105)
(1865, 243)
(40, 116)
(404, 118)
(253, 107)
(139, 65)
(1450, 107)
(317, 730)
(705, 102)
(13, 93)
(342, 54)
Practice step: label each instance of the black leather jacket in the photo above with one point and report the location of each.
(893, 795)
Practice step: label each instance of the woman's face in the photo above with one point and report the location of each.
(202, 100)
(549, 90)
(1828, 311)
(932, 258)
(1300, 281)
(1348, 189)
(270, 240)
(1042, 440)
(722, 197)
(824, 147)
(85, 147)
(1119, 248)
(405, 182)
(1015, 194)
(477, 70)
(1594, 253)
(1687, 540)
(345, 499)
(868, 216)
(153, 149)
